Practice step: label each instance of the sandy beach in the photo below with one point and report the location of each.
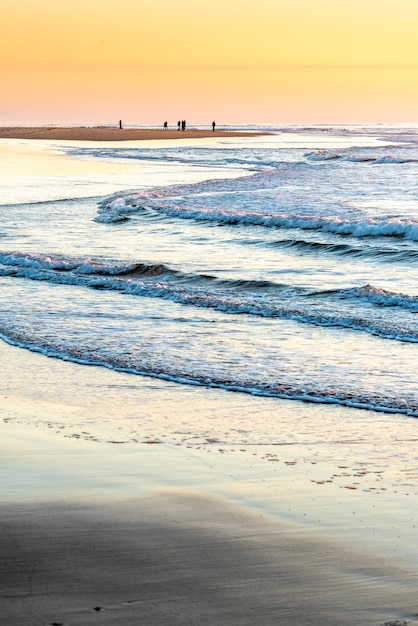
(102, 527)
(98, 133)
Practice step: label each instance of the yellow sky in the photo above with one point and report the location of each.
(238, 61)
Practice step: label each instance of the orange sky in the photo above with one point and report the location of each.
(236, 61)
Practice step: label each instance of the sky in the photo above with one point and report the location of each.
(233, 61)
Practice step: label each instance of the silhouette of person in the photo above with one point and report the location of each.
(165, 125)
(120, 123)
(213, 126)
(178, 125)
(183, 125)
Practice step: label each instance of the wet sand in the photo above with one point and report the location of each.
(111, 530)
(184, 559)
(97, 133)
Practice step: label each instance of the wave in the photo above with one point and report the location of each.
(285, 389)
(121, 207)
(81, 266)
(231, 296)
(329, 155)
(229, 157)
(382, 297)
(343, 249)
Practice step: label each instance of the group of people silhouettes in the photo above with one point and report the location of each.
(181, 124)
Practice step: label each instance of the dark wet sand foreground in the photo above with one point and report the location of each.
(178, 558)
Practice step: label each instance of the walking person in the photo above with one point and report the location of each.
(213, 126)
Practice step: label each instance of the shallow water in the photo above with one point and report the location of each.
(279, 266)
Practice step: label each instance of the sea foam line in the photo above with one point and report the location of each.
(280, 391)
(124, 207)
(158, 280)
(244, 305)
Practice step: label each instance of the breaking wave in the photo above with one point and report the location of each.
(249, 297)
(280, 389)
(120, 208)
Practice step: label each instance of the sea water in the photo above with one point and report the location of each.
(253, 295)
(281, 266)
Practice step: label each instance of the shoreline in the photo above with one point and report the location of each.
(99, 533)
(286, 474)
(111, 515)
(127, 499)
(97, 133)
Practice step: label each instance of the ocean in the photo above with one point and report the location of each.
(282, 265)
(249, 303)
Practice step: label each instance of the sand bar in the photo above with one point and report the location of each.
(98, 133)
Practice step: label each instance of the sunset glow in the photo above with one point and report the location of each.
(271, 61)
